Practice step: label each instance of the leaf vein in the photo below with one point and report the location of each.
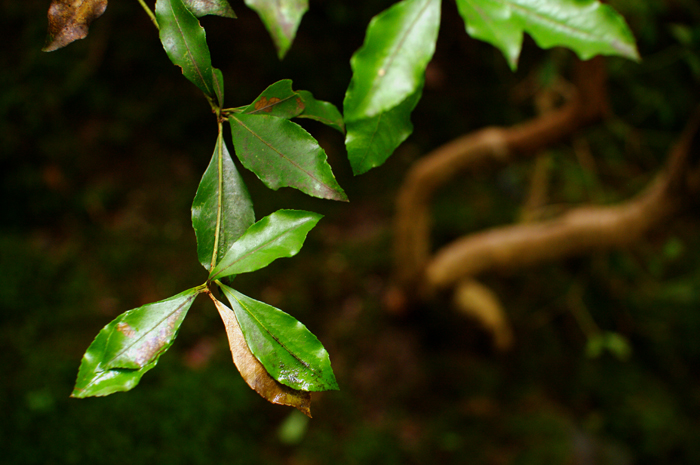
(195, 65)
(289, 160)
(255, 250)
(397, 48)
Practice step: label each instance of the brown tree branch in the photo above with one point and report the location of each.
(489, 145)
(580, 230)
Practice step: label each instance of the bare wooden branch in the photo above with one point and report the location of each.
(580, 230)
(472, 151)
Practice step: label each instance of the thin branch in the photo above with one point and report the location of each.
(150, 14)
(494, 145)
(581, 230)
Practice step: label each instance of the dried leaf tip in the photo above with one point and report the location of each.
(253, 372)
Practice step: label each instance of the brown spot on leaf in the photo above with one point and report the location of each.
(125, 329)
(254, 372)
(69, 21)
(266, 105)
(272, 102)
(262, 103)
(151, 345)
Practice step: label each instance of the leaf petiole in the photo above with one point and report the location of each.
(150, 13)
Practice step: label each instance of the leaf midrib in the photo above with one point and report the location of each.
(289, 160)
(561, 25)
(255, 250)
(187, 46)
(395, 51)
(317, 374)
(279, 102)
(107, 370)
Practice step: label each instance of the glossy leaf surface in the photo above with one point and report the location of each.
(201, 8)
(390, 65)
(371, 141)
(218, 79)
(69, 21)
(184, 40)
(222, 209)
(321, 111)
(279, 99)
(588, 27)
(253, 371)
(281, 234)
(289, 352)
(281, 18)
(130, 345)
(282, 154)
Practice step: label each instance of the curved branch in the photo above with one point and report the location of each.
(489, 145)
(580, 230)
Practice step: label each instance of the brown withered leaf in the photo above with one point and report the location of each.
(253, 371)
(69, 21)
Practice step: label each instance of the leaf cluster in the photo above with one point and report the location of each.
(277, 356)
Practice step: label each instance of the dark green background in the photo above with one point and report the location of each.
(103, 143)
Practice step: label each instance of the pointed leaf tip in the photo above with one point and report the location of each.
(130, 345)
(281, 18)
(253, 372)
(588, 27)
(371, 141)
(290, 353)
(280, 234)
(387, 82)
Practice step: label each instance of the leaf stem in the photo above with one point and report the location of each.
(149, 12)
(220, 186)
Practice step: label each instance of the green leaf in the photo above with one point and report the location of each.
(280, 100)
(278, 235)
(201, 8)
(218, 79)
(390, 65)
(281, 18)
(321, 111)
(130, 345)
(253, 372)
(222, 209)
(277, 100)
(371, 141)
(282, 154)
(184, 40)
(588, 27)
(290, 353)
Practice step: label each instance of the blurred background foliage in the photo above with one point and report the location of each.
(102, 145)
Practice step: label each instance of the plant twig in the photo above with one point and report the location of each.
(580, 230)
(474, 150)
(150, 13)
